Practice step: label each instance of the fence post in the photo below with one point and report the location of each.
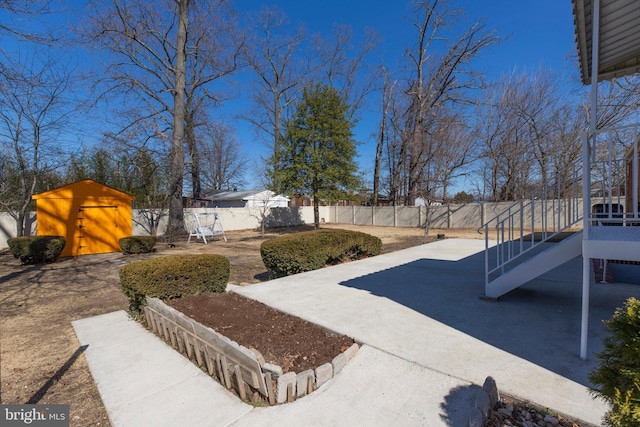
(448, 215)
(353, 215)
(373, 216)
(395, 216)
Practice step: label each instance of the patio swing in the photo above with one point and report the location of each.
(200, 229)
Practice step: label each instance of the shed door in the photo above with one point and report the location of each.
(98, 229)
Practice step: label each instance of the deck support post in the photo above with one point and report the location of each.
(587, 268)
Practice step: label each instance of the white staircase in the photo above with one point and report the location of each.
(554, 255)
(603, 215)
(521, 229)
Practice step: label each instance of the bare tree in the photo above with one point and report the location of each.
(140, 167)
(223, 163)
(16, 11)
(344, 65)
(161, 59)
(387, 93)
(436, 81)
(533, 99)
(395, 149)
(617, 101)
(516, 129)
(530, 130)
(214, 52)
(33, 113)
(273, 54)
(452, 146)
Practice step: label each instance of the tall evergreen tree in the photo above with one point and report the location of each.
(317, 155)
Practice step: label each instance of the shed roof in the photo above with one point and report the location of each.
(87, 188)
(619, 41)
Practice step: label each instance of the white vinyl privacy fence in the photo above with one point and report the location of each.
(472, 215)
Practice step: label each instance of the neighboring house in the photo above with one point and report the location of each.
(421, 201)
(303, 200)
(247, 199)
(195, 201)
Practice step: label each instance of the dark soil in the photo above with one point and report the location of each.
(284, 340)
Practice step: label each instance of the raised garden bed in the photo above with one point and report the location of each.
(239, 367)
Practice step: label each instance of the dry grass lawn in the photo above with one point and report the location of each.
(40, 357)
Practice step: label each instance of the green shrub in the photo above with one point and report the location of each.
(36, 249)
(173, 277)
(617, 377)
(311, 250)
(137, 244)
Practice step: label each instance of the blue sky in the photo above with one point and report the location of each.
(537, 34)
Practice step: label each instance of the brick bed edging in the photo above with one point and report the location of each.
(233, 365)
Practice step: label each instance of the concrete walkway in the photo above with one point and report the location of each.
(428, 342)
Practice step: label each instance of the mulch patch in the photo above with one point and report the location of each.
(284, 340)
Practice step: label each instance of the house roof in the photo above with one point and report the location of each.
(619, 41)
(242, 195)
(87, 188)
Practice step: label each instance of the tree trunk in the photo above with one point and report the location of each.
(176, 215)
(194, 155)
(316, 212)
(376, 170)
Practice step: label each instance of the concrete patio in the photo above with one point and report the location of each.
(428, 340)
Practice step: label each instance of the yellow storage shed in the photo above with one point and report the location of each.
(92, 217)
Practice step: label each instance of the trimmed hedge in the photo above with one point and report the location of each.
(36, 249)
(311, 250)
(173, 277)
(137, 244)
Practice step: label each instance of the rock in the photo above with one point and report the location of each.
(475, 418)
(491, 387)
(551, 420)
(483, 403)
(505, 411)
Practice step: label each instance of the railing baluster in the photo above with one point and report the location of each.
(634, 174)
(521, 225)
